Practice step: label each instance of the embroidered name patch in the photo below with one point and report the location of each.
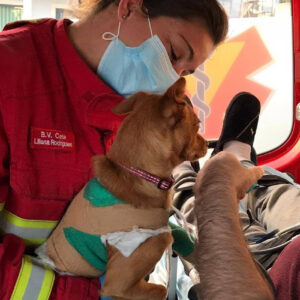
(52, 139)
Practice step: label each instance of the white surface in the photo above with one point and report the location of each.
(35, 9)
(276, 118)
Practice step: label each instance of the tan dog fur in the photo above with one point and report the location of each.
(160, 132)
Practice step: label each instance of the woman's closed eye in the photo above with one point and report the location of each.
(187, 72)
(174, 57)
(176, 60)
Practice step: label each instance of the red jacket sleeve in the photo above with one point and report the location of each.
(11, 247)
(20, 275)
(4, 164)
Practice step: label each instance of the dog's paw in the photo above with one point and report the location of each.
(157, 292)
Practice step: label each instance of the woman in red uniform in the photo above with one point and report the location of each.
(58, 83)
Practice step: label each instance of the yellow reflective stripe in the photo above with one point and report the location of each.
(2, 206)
(23, 278)
(34, 282)
(33, 232)
(47, 285)
(20, 222)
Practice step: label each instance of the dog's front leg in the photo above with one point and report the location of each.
(125, 275)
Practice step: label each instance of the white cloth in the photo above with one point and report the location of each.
(128, 242)
(43, 258)
(160, 275)
(242, 151)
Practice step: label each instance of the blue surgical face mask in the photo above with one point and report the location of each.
(144, 68)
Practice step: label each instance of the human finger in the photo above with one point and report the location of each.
(255, 173)
(252, 175)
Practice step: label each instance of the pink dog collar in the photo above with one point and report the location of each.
(161, 183)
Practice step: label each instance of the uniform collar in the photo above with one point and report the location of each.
(99, 96)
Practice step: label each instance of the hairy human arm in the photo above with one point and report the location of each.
(225, 266)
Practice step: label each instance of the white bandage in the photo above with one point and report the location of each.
(128, 242)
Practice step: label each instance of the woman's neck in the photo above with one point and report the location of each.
(86, 35)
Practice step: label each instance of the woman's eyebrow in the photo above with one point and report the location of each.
(191, 55)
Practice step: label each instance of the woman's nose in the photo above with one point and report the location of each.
(184, 69)
(178, 69)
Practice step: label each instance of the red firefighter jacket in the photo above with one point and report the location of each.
(55, 114)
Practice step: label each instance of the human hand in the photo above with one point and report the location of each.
(224, 171)
(222, 257)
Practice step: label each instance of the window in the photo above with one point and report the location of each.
(63, 13)
(61, 10)
(10, 11)
(14, 10)
(257, 57)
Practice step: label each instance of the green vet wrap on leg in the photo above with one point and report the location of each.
(89, 246)
(184, 243)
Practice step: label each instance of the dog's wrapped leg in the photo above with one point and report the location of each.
(125, 275)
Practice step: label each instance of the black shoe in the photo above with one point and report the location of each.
(240, 122)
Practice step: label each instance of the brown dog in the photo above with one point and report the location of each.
(160, 132)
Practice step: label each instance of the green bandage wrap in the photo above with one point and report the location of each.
(184, 244)
(98, 195)
(89, 246)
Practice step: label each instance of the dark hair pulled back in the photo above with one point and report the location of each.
(209, 12)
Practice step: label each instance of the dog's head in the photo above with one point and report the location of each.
(159, 127)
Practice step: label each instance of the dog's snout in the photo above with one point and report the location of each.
(203, 146)
(202, 141)
(198, 148)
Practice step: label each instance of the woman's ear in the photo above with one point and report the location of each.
(126, 7)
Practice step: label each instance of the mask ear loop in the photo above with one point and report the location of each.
(109, 36)
(150, 27)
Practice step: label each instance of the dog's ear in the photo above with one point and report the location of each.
(174, 102)
(177, 90)
(127, 105)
